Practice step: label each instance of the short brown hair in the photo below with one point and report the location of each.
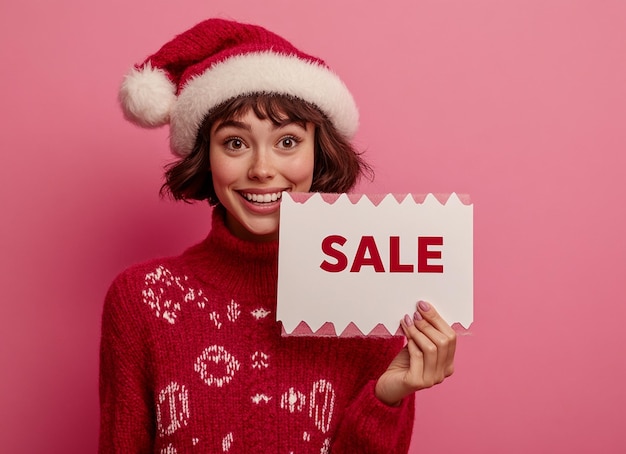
(337, 165)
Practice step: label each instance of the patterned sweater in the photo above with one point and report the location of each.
(192, 361)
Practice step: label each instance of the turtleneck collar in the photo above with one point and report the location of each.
(234, 264)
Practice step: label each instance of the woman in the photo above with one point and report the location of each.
(192, 358)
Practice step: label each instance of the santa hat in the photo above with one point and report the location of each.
(219, 60)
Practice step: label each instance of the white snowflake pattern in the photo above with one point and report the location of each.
(258, 398)
(216, 354)
(169, 449)
(227, 442)
(293, 400)
(260, 360)
(322, 404)
(233, 311)
(165, 304)
(172, 408)
(260, 313)
(215, 318)
(326, 448)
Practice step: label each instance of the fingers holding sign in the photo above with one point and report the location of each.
(427, 359)
(431, 345)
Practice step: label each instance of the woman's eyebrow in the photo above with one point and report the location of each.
(241, 125)
(234, 124)
(287, 121)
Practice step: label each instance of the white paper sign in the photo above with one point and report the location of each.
(368, 264)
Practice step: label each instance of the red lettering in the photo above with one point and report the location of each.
(394, 257)
(424, 254)
(367, 245)
(367, 254)
(327, 248)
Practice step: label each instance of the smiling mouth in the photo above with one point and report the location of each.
(262, 198)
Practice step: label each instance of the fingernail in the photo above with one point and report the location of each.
(423, 305)
(417, 316)
(407, 320)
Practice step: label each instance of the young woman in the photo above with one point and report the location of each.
(192, 358)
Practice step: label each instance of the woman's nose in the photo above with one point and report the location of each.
(261, 166)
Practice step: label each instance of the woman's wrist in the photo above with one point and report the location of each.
(384, 397)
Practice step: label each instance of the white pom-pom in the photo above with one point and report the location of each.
(147, 96)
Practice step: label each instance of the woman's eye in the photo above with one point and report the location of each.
(288, 142)
(234, 144)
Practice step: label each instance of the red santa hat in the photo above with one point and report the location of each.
(219, 60)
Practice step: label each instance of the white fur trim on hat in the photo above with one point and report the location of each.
(147, 96)
(261, 72)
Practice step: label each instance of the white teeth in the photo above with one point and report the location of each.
(263, 198)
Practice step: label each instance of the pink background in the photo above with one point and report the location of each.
(520, 103)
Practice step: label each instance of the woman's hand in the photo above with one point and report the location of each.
(426, 360)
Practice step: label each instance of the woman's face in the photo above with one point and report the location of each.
(252, 162)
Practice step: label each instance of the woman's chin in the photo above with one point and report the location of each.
(264, 229)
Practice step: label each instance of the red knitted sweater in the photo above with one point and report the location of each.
(192, 361)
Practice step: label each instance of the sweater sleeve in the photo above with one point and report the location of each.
(126, 422)
(369, 426)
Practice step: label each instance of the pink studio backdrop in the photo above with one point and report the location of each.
(520, 103)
